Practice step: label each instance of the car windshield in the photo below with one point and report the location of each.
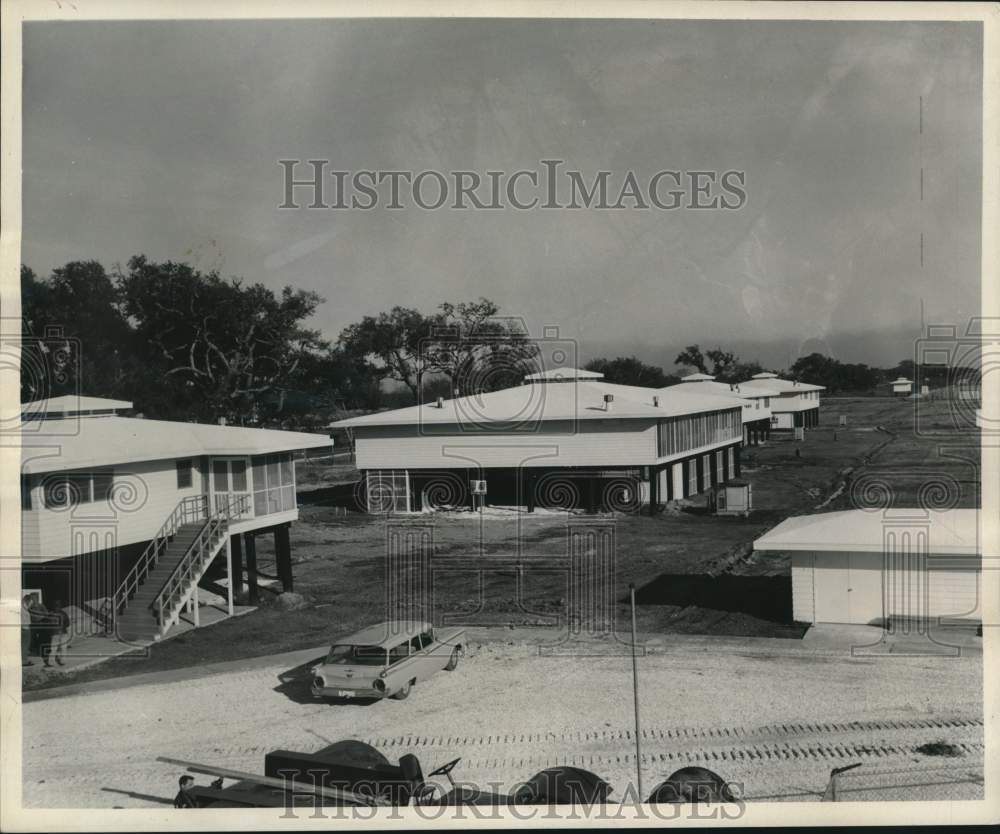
(356, 656)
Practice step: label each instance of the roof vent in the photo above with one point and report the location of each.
(608, 399)
(440, 402)
(656, 402)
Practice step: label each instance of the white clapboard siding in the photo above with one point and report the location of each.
(145, 494)
(803, 602)
(954, 590)
(605, 442)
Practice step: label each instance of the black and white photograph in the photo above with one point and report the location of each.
(499, 416)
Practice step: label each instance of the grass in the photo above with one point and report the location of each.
(695, 573)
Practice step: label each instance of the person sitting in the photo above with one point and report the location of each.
(184, 798)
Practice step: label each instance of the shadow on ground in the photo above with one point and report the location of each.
(763, 597)
(295, 685)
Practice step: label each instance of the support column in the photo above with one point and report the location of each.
(736, 459)
(591, 500)
(250, 546)
(654, 490)
(195, 606)
(236, 572)
(283, 555)
(229, 576)
(530, 492)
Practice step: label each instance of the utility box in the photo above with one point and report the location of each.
(734, 497)
(800, 433)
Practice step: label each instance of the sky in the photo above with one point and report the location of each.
(163, 138)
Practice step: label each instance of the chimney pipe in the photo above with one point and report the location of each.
(656, 402)
(608, 399)
(440, 402)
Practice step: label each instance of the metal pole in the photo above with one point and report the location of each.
(635, 692)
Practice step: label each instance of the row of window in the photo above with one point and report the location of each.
(680, 434)
(68, 489)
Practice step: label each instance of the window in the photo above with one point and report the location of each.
(681, 434)
(426, 639)
(397, 653)
(67, 489)
(388, 491)
(220, 475)
(767, 402)
(357, 656)
(273, 483)
(183, 474)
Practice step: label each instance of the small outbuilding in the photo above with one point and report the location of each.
(734, 497)
(872, 567)
(902, 387)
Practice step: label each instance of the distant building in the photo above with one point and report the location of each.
(902, 387)
(796, 404)
(111, 506)
(756, 414)
(870, 567)
(564, 438)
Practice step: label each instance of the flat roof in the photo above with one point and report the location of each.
(562, 375)
(720, 389)
(69, 403)
(116, 440)
(951, 531)
(579, 400)
(384, 634)
(776, 383)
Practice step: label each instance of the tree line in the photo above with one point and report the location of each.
(186, 344)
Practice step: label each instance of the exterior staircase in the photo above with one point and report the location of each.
(165, 579)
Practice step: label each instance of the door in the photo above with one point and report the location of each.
(832, 575)
(229, 487)
(848, 588)
(865, 590)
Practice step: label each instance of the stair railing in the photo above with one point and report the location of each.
(188, 510)
(194, 561)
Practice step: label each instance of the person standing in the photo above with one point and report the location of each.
(38, 614)
(26, 631)
(59, 637)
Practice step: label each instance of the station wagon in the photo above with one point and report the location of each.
(386, 660)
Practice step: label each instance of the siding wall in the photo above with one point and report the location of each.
(145, 493)
(953, 586)
(803, 603)
(587, 443)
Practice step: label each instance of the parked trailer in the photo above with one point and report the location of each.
(352, 773)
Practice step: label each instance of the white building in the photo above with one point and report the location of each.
(794, 405)
(113, 507)
(902, 387)
(874, 567)
(565, 438)
(756, 414)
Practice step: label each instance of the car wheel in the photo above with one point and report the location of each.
(403, 692)
(452, 661)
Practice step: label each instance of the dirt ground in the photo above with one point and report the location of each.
(775, 725)
(694, 573)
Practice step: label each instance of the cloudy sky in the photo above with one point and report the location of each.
(163, 138)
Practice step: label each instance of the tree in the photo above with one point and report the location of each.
(222, 349)
(692, 357)
(77, 339)
(478, 351)
(740, 371)
(836, 376)
(466, 343)
(631, 371)
(397, 340)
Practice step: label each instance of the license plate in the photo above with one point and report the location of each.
(345, 693)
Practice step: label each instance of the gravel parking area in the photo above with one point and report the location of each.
(778, 725)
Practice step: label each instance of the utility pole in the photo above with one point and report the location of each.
(635, 691)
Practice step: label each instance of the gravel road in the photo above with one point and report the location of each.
(776, 725)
